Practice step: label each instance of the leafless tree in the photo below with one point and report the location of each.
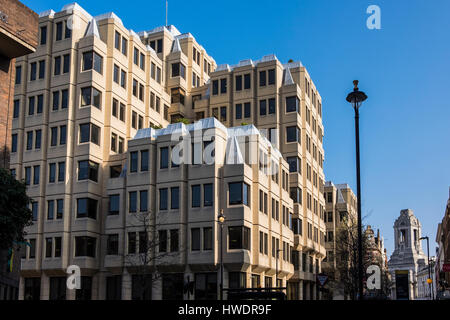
(150, 254)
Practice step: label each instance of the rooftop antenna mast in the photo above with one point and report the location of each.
(167, 5)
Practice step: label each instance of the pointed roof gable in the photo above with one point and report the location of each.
(92, 29)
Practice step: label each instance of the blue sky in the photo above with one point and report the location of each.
(404, 69)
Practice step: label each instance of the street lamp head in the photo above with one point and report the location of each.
(423, 238)
(221, 217)
(356, 97)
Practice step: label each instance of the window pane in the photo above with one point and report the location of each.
(195, 196)
(208, 195)
(195, 239)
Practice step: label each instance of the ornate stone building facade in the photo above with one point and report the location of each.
(408, 257)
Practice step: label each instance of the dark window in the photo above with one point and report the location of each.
(195, 196)
(160, 46)
(247, 110)
(32, 253)
(57, 290)
(31, 105)
(32, 288)
(174, 197)
(294, 164)
(41, 69)
(123, 79)
(92, 60)
(64, 98)
(144, 160)
(239, 237)
(237, 280)
(68, 31)
(112, 244)
(61, 171)
(215, 87)
(272, 106)
(207, 238)
(57, 69)
(143, 200)
(238, 193)
(52, 172)
(114, 204)
(59, 208)
(18, 74)
(66, 63)
(91, 96)
(132, 242)
(208, 195)
(195, 239)
(292, 104)
(16, 110)
(141, 287)
(162, 237)
(87, 208)
(117, 40)
(114, 288)
(62, 134)
(87, 170)
(85, 293)
(50, 210)
(85, 246)
(14, 143)
(58, 247)
(54, 136)
(223, 85)
(247, 81)
(271, 74)
(296, 194)
(115, 171)
(238, 83)
(37, 141)
(124, 46)
(33, 66)
(36, 174)
(29, 140)
(55, 100)
(262, 107)
(133, 161)
(262, 78)
(292, 134)
(40, 103)
(163, 193)
(164, 157)
(89, 132)
(239, 111)
(174, 240)
(143, 242)
(132, 201)
(35, 210)
(206, 286)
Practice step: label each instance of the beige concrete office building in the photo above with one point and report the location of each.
(88, 89)
(341, 208)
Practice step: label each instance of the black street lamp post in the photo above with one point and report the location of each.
(221, 219)
(356, 98)
(430, 281)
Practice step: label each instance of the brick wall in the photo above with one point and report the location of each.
(21, 22)
(7, 76)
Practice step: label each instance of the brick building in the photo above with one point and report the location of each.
(18, 37)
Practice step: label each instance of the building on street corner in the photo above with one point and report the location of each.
(97, 98)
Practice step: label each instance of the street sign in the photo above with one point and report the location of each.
(322, 278)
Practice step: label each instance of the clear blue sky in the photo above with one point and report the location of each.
(404, 68)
